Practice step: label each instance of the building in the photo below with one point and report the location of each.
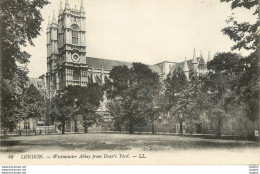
(68, 64)
(196, 65)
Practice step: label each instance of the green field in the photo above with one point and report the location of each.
(122, 142)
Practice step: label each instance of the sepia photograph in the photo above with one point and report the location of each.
(129, 82)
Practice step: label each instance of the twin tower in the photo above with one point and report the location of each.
(66, 49)
(67, 60)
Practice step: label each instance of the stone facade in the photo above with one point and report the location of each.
(68, 64)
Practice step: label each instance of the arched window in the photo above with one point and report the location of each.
(75, 34)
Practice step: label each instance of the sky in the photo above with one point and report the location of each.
(147, 31)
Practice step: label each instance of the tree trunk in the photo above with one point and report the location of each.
(63, 128)
(62, 125)
(181, 131)
(153, 130)
(131, 129)
(75, 125)
(219, 127)
(86, 129)
(191, 128)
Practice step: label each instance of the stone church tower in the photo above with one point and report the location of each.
(66, 50)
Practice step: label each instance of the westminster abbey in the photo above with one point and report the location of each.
(68, 64)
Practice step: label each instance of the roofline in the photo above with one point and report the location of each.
(164, 61)
(108, 59)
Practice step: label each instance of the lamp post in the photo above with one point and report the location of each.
(180, 120)
(74, 113)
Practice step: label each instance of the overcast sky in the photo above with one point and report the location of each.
(148, 31)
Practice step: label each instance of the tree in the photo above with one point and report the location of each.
(225, 62)
(33, 103)
(62, 109)
(181, 97)
(176, 84)
(136, 88)
(246, 35)
(19, 23)
(219, 87)
(77, 100)
(114, 107)
(27, 102)
(247, 89)
(87, 103)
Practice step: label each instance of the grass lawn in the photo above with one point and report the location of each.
(121, 142)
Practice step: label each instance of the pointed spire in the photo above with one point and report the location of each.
(185, 66)
(67, 5)
(53, 18)
(209, 56)
(201, 60)
(81, 4)
(82, 7)
(60, 7)
(194, 60)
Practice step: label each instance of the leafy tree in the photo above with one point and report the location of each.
(29, 103)
(121, 77)
(247, 87)
(115, 110)
(88, 100)
(11, 104)
(175, 83)
(225, 62)
(246, 35)
(136, 87)
(19, 23)
(182, 97)
(219, 88)
(33, 103)
(77, 100)
(62, 109)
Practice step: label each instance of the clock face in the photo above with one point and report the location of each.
(75, 57)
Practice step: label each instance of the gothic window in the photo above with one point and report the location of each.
(76, 74)
(75, 34)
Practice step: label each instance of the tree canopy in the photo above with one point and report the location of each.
(245, 35)
(77, 100)
(136, 87)
(20, 22)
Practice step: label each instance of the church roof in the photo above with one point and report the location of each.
(189, 63)
(190, 66)
(155, 69)
(109, 64)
